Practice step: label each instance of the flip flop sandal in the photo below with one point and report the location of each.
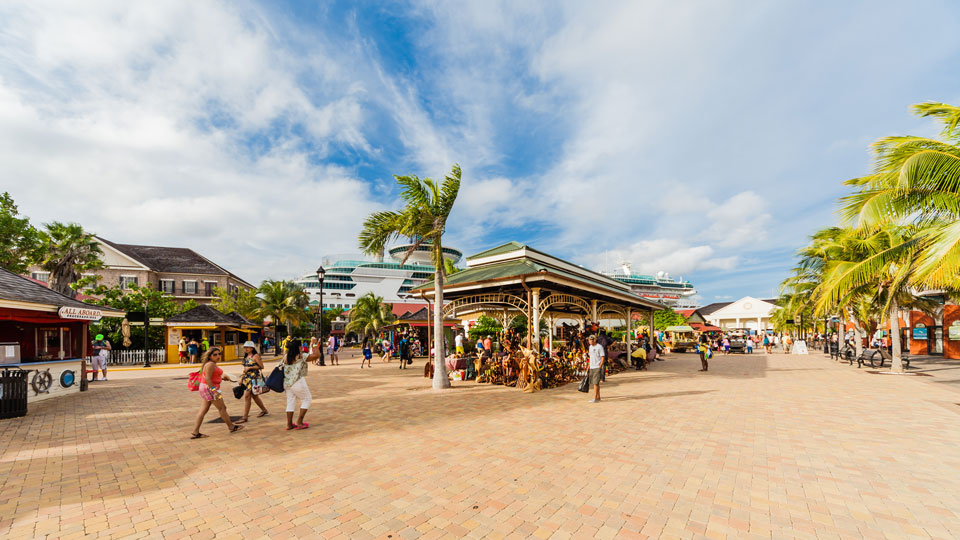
(291, 427)
(198, 436)
(262, 414)
(302, 426)
(242, 421)
(236, 429)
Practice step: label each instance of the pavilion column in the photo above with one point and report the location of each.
(760, 325)
(593, 311)
(536, 319)
(650, 325)
(738, 322)
(550, 343)
(629, 325)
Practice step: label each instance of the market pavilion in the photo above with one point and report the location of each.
(514, 279)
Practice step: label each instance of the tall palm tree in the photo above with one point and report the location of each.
(369, 315)
(68, 251)
(284, 302)
(916, 180)
(423, 219)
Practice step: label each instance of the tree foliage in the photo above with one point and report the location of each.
(135, 299)
(369, 315)
(488, 326)
(243, 301)
(663, 319)
(284, 302)
(68, 251)
(21, 244)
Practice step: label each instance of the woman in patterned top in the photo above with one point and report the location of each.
(295, 387)
(252, 379)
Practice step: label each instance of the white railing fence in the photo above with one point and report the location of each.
(134, 357)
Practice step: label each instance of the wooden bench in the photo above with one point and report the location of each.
(885, 357)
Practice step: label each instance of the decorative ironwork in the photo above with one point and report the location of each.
(564, 299)
(611, 308)
(488, 298)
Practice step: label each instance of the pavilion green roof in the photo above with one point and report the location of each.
(499, 250)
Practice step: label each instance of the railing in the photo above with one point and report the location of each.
(133, 357)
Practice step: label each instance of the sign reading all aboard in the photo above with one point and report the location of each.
(83, 314)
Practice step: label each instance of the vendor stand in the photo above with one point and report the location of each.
(680, 338)
(46, 333)
(225, 330)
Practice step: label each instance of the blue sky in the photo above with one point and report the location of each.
(707, 140)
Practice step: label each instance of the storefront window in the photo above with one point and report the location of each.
(231, 338)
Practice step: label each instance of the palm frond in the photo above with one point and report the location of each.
(948, 114)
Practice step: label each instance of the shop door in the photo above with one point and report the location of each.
(935, 340)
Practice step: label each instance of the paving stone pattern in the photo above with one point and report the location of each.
(774, 447)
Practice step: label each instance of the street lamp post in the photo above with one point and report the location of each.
(146, 332)
(320, 273)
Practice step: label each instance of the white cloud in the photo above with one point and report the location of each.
(134, 118)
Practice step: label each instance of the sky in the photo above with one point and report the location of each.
(704, 139)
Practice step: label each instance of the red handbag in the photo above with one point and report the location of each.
(193, 382)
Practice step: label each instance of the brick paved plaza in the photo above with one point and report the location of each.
(760, 447)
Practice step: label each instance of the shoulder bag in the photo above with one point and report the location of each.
(275, 380)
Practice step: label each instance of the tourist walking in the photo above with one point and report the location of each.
(295, 387)
(101, 350)
(749, 344)
(458, 342)
(212, 376)
(766, 343)
(332, 350)
(726, 345)
(204, 345)
(387, 350)
(366, 352)
(704, 350)
(597, 355)
(193, 349)
(404, 352)
(252, 379)
(182, 349)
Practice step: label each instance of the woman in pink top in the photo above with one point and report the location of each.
(210, 392)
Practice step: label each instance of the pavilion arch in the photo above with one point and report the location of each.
(486, 298)
(564, 299)
(612, 308)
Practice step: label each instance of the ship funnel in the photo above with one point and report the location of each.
(626, 267)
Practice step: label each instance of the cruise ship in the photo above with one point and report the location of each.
(661, 287)
(349, 277)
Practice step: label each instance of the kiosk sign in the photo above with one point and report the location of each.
(82, 314)
(920, 332)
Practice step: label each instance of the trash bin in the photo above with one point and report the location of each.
(13, 393)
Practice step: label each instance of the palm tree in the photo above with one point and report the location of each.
(369, 315)
(881, 266)
(423, 220)
(916, 180)
(68, 251)
(284, 302)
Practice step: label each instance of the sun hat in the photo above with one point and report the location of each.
(250, 344)
(99, 337)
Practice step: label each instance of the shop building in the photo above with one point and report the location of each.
(179, 272)
(747, 313)
(226, 330)
(45, 332)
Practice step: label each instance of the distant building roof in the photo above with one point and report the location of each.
(21, 289)
(710, 308)
(171, 259)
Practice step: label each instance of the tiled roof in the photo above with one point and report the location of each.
(22, 289)
(170, 259)
(710, 308)
(207, 314)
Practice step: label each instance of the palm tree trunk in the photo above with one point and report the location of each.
(897, 361)
(440, 380)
